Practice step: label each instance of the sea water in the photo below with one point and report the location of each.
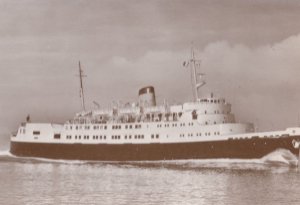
(273, 179)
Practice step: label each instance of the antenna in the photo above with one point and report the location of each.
(81, 75)
(196, 78)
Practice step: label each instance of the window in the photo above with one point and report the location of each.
(56, 136)
(157, 136)
(36, 133)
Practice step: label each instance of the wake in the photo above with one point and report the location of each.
(5, 153)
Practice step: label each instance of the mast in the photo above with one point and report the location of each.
(197, 78)
(81, 75)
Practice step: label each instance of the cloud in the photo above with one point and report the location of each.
(262, 83)
(248, 58)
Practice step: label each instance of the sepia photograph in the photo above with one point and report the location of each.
(131, 102)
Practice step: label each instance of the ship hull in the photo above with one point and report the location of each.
(233, 148)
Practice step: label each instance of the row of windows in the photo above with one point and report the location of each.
(115, 127)
(86, 127)
(154, 136)
(137, 126)
(199, 134)
(175, 125)
(95, 137)
(217, 112)
(213, 101)
(135, 137)
(131, 126)
(97, 127)
(183, 124)
(86, 137)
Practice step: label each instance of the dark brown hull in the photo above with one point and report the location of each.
(233, 148)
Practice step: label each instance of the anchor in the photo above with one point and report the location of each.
(296, 145)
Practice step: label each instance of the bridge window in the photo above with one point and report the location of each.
(56, 136)
(36, 133)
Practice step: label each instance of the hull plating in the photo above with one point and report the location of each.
(241, 148)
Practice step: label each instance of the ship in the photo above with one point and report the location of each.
(204, 128)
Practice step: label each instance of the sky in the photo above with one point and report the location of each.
(249, 51)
